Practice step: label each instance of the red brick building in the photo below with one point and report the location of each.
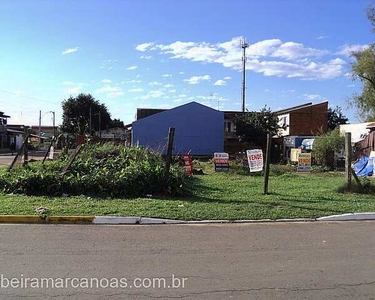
(306, 119)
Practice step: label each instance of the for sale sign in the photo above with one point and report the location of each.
(188, 164)
(304, 163)
(255, 159)
(221, 161)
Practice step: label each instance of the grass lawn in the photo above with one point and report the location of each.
(216, 196)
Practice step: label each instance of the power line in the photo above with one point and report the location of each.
(28, 97)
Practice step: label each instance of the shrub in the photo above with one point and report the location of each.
(325, 145)
(106, 170)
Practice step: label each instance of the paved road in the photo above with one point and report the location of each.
(243, 261)
(6, 160)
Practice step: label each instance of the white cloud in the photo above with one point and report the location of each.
(143, 47)
(169, 85)
(172, 91)
(181, 73)
(197, 79)
(112, 91)
(308, 70)
(132, 68)
(69, 51)
(106, 81)
(312, 96)
(166, 75)
(153, 83)
(292, 51)
(227, 78)
(182, 96)
(346, 49)
(322, 37)
(147, 57)
(136, 90)
(115, 94)
(153, 94)
(270, 57)
(190, 50)
(220, 82)
(133, 81)
(164, 106)
(73, 90)
(262, 48)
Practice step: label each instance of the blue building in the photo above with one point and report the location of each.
(198, 130)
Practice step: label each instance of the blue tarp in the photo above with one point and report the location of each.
(364, 167)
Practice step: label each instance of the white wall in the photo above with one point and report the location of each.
(284, 120)
(358, 131)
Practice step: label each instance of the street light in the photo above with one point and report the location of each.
(100, 122)
(40, 124)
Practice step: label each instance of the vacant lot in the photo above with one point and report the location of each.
(216, 196)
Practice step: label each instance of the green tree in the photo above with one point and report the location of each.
(363, 68)
(257, 124)
(336, 118)
(325, 145)
(117, 123)
(76, 114)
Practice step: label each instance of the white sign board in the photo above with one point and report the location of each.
(255, 159)
(51, 152)
(304, 162)
(221, 161)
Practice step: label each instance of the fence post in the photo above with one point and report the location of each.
(26, 150)
(267, 164)
(348, 159)
(168, 158)
(49, 149)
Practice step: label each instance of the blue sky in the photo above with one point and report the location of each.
(164, 53)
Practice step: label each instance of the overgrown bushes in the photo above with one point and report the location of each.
(325, 145)
(105, 170)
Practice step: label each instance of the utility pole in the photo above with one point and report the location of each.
(90, 122)
(40, 129)
(54, 128)
(100, 124)
(244, 45)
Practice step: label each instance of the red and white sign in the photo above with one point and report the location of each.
(255, 159)
(221, 161)
(188, 164)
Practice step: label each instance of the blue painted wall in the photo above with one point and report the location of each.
(199, 130)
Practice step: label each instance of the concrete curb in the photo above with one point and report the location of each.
(114, 220)
(40, 220)
(349, 217)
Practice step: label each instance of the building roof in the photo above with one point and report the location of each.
(294, 108)
(3, 116)
(287, 110)
(147, 112)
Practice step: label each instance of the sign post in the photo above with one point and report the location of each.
(188, 165)
(304, 163)
(267, 165)
(255, 160)
(221, 161)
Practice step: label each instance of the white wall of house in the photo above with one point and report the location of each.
(358, 131)
(19, 141)
(284, 121)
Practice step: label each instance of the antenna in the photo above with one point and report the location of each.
(244, 45)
